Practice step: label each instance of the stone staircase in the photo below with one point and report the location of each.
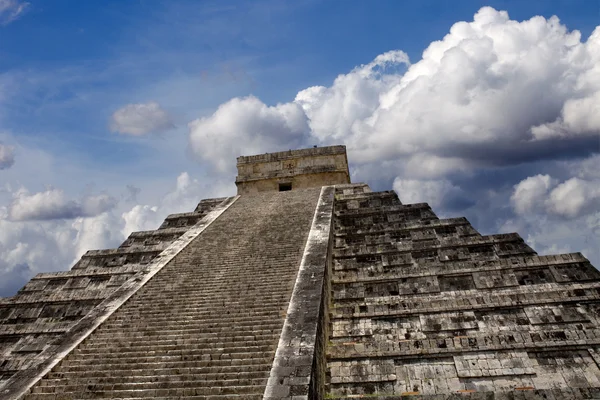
(207, 325)
(47, 307)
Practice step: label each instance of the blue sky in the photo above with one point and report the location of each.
(98, 101)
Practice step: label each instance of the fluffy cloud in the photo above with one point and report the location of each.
(492, 92)
(434, 192)
(541, 194)
(574, 197)
(247, 126)
(183, 198)
(53, 204)
(484, 94)
(561, 216)
(28, 247)
(11, 10)
(491, 103)
(42, 239)
(7, 156)
(531, 193)
(141, 119)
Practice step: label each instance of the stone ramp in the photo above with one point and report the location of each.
(207, 325)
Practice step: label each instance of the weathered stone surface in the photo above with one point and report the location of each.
(294, 169)
(53, 303)
(431, 309)
(385, 301)
(208, 322)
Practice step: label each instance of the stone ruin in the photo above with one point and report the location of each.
(307, 286)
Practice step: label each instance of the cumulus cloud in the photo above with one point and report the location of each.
(7, 156)
(29, 247)
(184, 197)
(574, 197)
(47, 235)
(493, 101)
(54, 204)
(434, 192)
(531, 193)
(492, 92)
(10, 10)
(481, 94)
(247, 126)
(541, 194)
(141, 119)
(140, 218)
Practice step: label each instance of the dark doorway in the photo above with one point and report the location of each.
(284, 187)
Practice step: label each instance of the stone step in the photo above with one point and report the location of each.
(158, 395)
(209, 304)
(225, 372)
(190, 354)
(217, 312)
(128, 391)
(142, 344)
(238, 316)
(130, 383)
(175, 338)
(208, 297)
(183, 349)
(179, 328)
(246, 364)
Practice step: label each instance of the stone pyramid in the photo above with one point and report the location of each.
(306, 286)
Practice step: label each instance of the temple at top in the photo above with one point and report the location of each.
(307, 286)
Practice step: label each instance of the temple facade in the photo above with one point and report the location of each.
(307, 286)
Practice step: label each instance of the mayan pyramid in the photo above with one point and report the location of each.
(307, 286)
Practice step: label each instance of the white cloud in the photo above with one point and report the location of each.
(37, 241)
(183, 198)
(247, 126)
(477, 94)
(140, 218)
(352, 99)
(531, 193)
(141, 119)
(98, 232)
(480, 97)
(434, 192)
(10, 10)
(491, 100)
(29, 247)
(7, 156)
(549, 235)
(54, 204)
(541, 194)
(574, 197)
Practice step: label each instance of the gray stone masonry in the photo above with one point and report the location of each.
(207, 324)
(289, 293)
(53, 303)
(425, 308)
(296, 372)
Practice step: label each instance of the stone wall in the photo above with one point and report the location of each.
(316, 167)
(432, 309)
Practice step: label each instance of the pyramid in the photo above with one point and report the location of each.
(307, 286)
